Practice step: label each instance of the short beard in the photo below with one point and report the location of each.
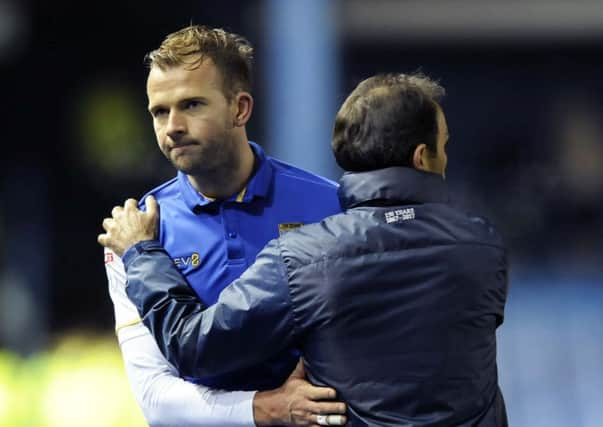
(221, 166)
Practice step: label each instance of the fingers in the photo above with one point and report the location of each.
(102, 239)
(152, 206)
(116, 211)
(108, 223)
(327, 408)
(131, 204)
(318, 412)
(309, 404)
(320, 393)
(330, 420)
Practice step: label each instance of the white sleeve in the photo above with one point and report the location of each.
(164, 398)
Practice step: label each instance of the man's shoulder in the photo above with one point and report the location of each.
(470, 224)
(305, 245)
(292, 174)
(486, 229)
(308, 195)
(167, 191)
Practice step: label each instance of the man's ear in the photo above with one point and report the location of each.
(243, 104)
(418, 157)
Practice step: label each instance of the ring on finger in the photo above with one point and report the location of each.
(329, 420)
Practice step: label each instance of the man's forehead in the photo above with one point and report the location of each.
(204, 73)
(441, 117)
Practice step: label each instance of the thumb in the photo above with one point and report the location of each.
(152, 206)
(299, 371)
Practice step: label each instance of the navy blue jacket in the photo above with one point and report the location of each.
(394, 303)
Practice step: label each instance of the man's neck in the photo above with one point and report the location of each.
(229, 179)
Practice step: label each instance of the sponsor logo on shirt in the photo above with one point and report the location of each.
(288, 226)
(193, 260)
(399, 215)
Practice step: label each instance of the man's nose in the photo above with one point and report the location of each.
(176, 126)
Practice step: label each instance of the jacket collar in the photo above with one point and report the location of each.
(395, 185)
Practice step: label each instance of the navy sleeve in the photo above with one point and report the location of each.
(251, 321)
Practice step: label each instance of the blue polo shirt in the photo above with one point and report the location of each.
(213, 242)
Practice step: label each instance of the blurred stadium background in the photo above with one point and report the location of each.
(524, 105)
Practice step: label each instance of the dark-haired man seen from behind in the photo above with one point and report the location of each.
(395, 302)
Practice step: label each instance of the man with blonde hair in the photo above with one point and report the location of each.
(227, 201)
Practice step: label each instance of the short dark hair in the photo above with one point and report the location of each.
(384, 119)
(231, 53)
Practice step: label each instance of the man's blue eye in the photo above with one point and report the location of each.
(194, 104)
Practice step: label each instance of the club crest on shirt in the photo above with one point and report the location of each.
(288, 226)
(188, 261)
